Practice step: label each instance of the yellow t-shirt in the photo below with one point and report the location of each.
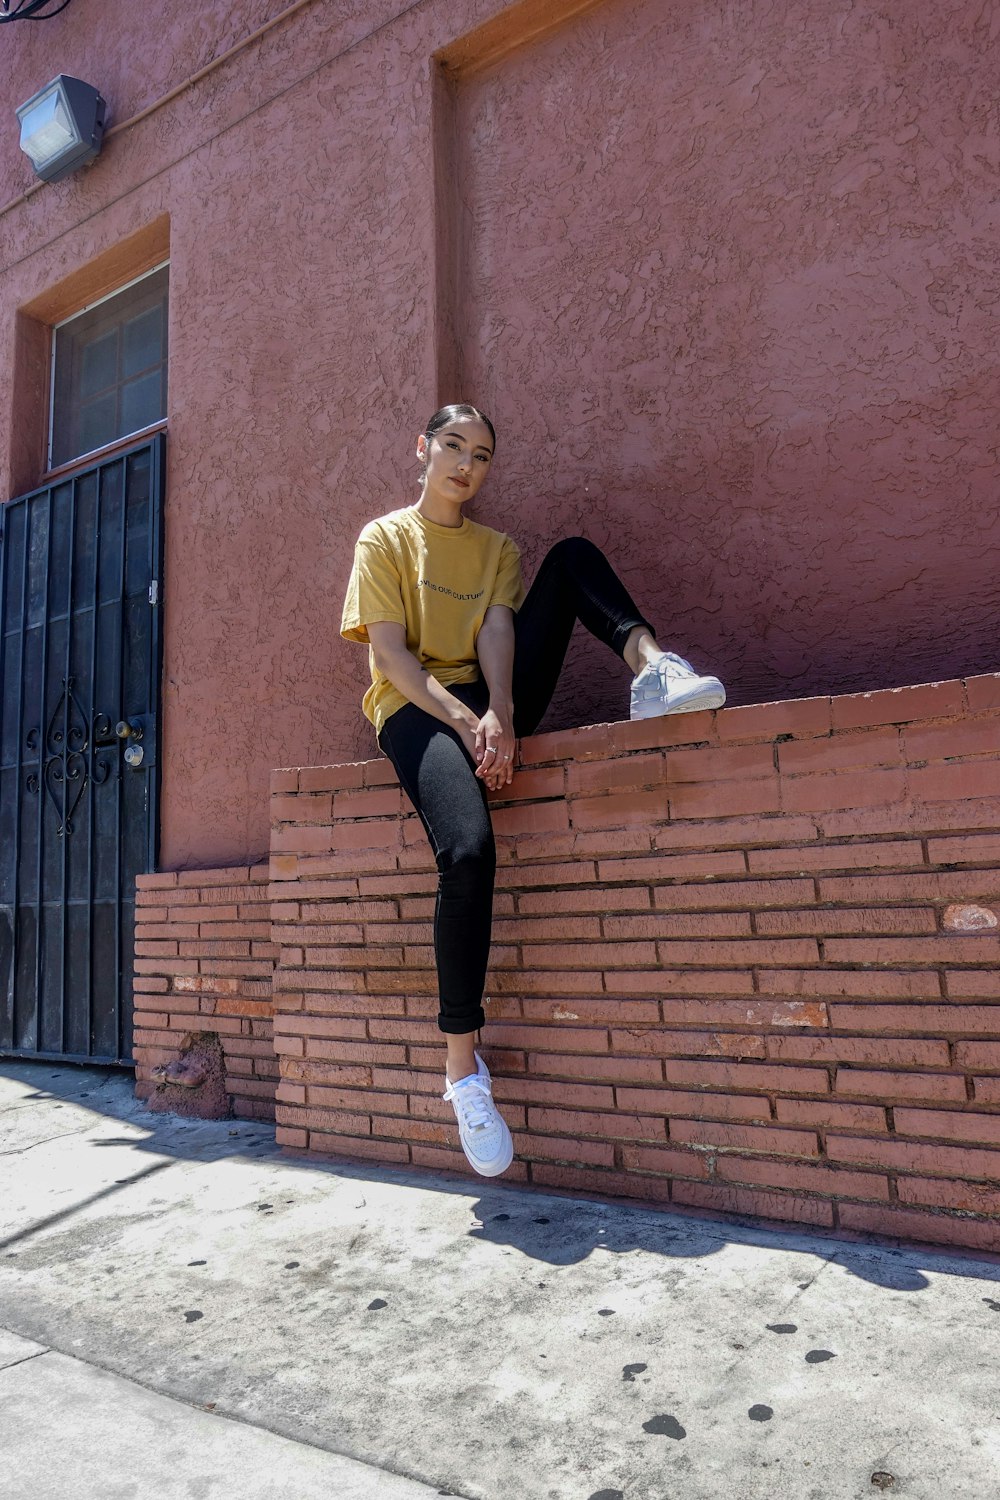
(437, 581)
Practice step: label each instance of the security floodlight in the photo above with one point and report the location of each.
(62, 127)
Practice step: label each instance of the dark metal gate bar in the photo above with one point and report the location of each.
(80, 577)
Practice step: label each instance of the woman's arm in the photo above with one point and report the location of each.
(495, 649)
(388, 643)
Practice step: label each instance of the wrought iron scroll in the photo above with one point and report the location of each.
(66, 758)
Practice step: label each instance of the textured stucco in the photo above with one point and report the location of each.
(726, 275)
(730, 285)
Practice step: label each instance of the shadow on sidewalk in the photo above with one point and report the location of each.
(525, 1219)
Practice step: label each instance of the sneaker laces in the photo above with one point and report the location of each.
(476, 1112)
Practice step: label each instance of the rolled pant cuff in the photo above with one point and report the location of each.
(462, 1025)
(623, 631)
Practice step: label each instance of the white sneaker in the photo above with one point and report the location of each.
(670, 685)
(483, 1132)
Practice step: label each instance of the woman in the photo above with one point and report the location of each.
(463, 662)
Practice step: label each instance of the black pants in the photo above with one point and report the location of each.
(575, 582)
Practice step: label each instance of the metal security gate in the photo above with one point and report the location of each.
(80, 576)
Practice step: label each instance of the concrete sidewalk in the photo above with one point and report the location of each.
(191, 1313)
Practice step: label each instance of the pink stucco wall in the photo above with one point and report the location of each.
(725, 275)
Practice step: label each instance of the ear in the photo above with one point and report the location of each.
(422, 448)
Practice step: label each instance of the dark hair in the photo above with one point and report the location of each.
(452, 413)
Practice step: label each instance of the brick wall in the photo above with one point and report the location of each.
(204, 963)
(745, 961)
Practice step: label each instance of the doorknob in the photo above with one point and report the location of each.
(129, 729)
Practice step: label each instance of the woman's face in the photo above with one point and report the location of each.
(458, 459)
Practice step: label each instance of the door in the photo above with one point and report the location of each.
(80, 580)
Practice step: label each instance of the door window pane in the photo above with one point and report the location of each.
(110, 368)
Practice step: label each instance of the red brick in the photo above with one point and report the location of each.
(301, 809)
(943, 948)
(379, 772)
(646, 734)
(973, 984)
(835, 982)
(166, 966)
(972, 1233)
(206, 948)
(946, 1125)
(357, 1101)
(231, 875)
(961, 779)
(751, 1012)
(594, 1012)
(940, 1020)
(377, 802)
(726, 1198)
(559, 1037)
(631, 773)
(662, 1043)
(580, 845)
(150, 985)
(161, 881)
(525, 930)
(592, 955)
(205, 984)
(799, 717)
(978, 1055)
(964, 737)
(823, 922)
(674, 867)
(619, 809)
(676, 1162)
(162, 937)
(825, 1114)
(531, 817)
(839, 752)
(284, 780)
(838, 1182)
(619, 1126)
(563, 1095)
(967, 885)
(726, 798)
(983, 692)
(552, 982)
(903, 1156)
(677, 925)
(966, 1197)
(330, 778)
(291, 1137)
(836, 857)
(748, 952)
(582, 899)
(969, 849)
(763, 1138)
(553, 1148)
(912, 816)
(236, 1005)
(674, 1102)
(779, 1080)
(740, 894)
(580, 872)
(584, 1065)
(330, 1144)
(144, 913)
(737, 763)
(678, 982)
(902, 1052)
(821, 793)
(927, 700)
(890, 1088)
(735, 833)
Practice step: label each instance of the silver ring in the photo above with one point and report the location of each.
(491, 750)
(505, 757)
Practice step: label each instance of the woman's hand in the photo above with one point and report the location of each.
(494, 753)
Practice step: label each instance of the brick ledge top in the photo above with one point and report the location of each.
(791, 718)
